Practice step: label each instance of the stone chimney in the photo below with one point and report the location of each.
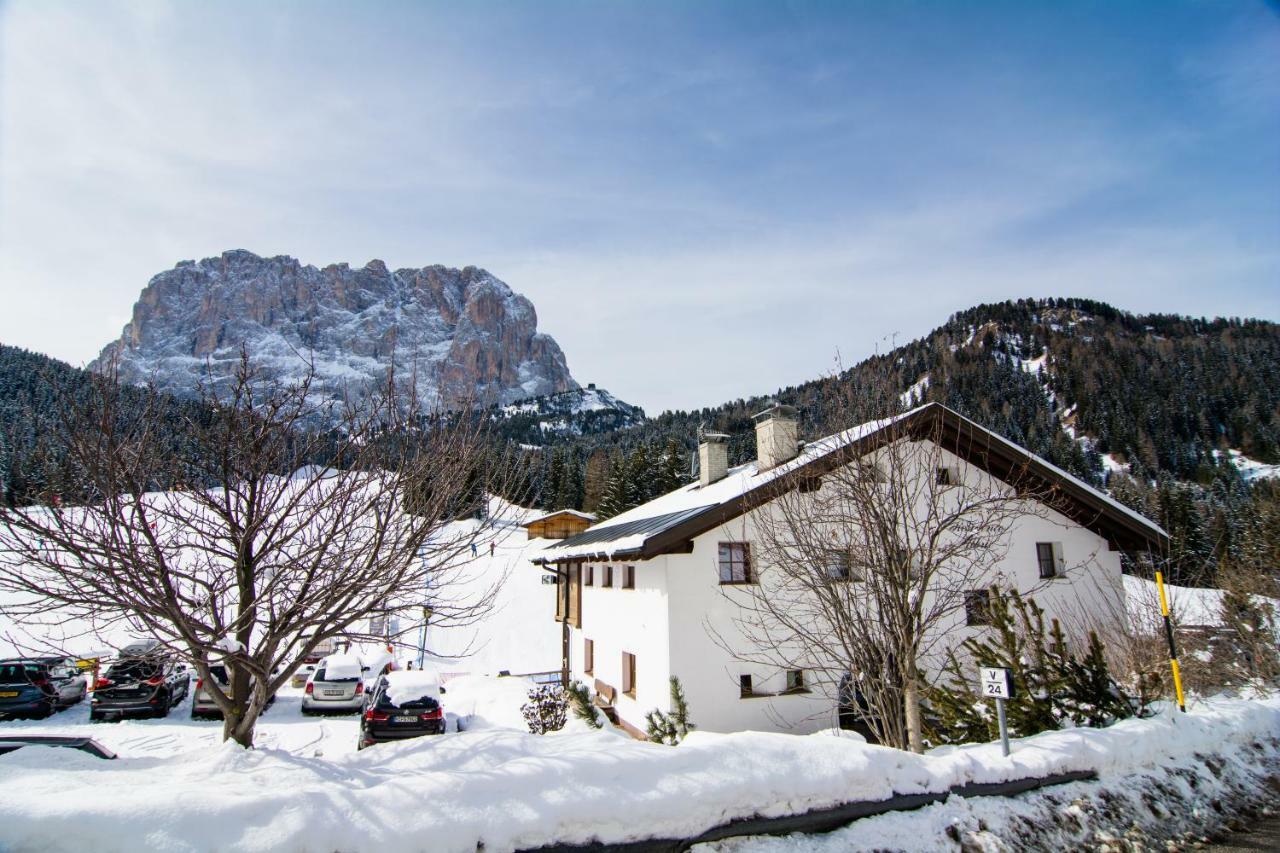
(713, 457)
(777, 435)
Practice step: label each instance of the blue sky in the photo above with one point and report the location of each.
(703, 200)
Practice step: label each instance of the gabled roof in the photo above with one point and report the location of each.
(575, 513)
(668, 523)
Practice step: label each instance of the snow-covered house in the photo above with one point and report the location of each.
(642, 592)
(559, 524)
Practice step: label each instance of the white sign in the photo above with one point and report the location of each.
(995, 682)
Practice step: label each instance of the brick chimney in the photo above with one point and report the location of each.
(713, 457)
(777, 435)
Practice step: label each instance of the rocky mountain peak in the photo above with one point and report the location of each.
(463, 333)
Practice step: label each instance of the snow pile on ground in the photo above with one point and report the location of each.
(509, 790)
(1191, 794)
(1190, 606)
(411, 685)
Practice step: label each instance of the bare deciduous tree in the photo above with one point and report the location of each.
(274, 528)
(860, 573)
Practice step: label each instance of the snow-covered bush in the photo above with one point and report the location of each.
(547, 709)
(583, 708)
(670, 728)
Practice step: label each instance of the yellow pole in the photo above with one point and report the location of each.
(1173, 649)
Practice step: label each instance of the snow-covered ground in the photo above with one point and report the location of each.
(306, 789)
(1190, 606)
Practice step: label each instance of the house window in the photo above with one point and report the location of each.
(744, 686)
(606, 576)
(870, 472)
(735, 563)
(977, 607)
(810, 484)
(840, 567)
(629, 674)
(795, 680)
(588, 656)
(1049, 557)
(589, 575)
(628, 577)
(948, 476)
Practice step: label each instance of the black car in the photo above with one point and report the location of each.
(404, 704)
(36, 687)
(141, 683)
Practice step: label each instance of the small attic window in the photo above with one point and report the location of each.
(948, 476)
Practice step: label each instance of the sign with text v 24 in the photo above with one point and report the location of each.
(994, 684)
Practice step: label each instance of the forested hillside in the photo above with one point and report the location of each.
(1147, 406)
(1176, 416)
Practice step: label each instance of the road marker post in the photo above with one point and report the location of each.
(995, 684)
(1173, 648)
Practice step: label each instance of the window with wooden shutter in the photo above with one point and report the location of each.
(629, 674)
(744, 686)
(589, 575)
(588, 657)
(628, 577)
(606, 576)
(735, 563)
(575, 595)
(560, 588)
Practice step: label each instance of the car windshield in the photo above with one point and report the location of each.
(422, 703)
(18, 673)
(133, 670)
(322, 675)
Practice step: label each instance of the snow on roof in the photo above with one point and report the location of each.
(584, 515)
(341, 666)
(677, 504)
(409, 685)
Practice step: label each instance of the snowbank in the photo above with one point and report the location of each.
(508, 790)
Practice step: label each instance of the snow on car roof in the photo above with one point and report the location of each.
(342, 666)
(407, 685)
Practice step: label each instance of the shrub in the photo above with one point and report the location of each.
(583, 708)
(547, 709)
(1051, 685)
(670, 728)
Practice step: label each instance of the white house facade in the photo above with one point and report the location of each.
(648, 594)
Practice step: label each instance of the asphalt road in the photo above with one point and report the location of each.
(1261, 836)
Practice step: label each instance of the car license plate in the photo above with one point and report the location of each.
(8, 694)
(404, 719)
(333, 692)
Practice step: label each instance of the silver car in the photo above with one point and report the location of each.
(337, 685)
(203, 706)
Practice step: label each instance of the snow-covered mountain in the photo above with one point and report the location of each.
(463, 333)
(583, 411)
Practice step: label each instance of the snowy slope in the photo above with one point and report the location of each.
(507, 790)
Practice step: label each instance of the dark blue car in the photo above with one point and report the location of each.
(38, 687)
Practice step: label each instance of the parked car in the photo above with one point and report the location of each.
(145, 680)
(337, 685)
(202, 704)
(404, 704)
(36, 687)
(301, 674)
